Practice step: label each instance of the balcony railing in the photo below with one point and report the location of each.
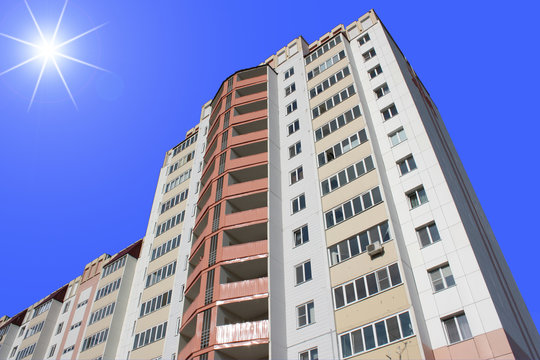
(244, 250)
(254, 330)
(242, 288)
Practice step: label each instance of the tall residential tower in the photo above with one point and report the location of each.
(318, 210)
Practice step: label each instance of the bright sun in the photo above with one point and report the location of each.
(48, 50)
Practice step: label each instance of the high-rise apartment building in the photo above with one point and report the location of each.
(317, 211)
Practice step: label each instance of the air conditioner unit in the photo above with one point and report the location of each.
(374, 249)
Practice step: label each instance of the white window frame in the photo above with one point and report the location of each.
(389, 112)
(309, 318)
(291, 107)
(300, 198)
(400, 135)
(428, 228)
(461, 331)
(375, 71)
(409, 163)
(309, 354)
(383, 89)
(302, 268)
(364, 39)
(289, 73)
(290, 89)
(301, 232)
(293, 127)
(295, 149)
(296, 175)
(419, 194)
(446, 277)
(370, 54)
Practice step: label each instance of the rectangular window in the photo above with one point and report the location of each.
(59, 329)
(303, 272)
(327, 83)
(295, 149)
(373, 72)
(428, 234)
(150, 336)
(389, 112)
(53, 348)
(289, 73)
(311, 354)
(353, 207)
(298, 203)
(301, 236)
(406, 165)
(323, 49)
(332, 101)
(160, 274)
(291, 107)
(290, 89)
(293, 127)
(66, 307)
(94, 340)
(337, 123)
(342, 147)
(369, 54)
(457, 328)
(364, 39)
(441, 278)
(305, 314)
(297, 175)
(417, 197)
(397, 137)
(155, 303)
(101, 313)
(376, 334)
(14, 350)
(381, 90)
(326, 65)
(347, 175)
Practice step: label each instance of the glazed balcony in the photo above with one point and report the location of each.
(251, 76)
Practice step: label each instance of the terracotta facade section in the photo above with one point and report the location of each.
(226, 301)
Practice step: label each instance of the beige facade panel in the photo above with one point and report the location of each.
(349, 158)
(153, 319)
(359, 185)
(162, 260)
(407, 349)
(159, 288)
(336, 110)
(340, 134)
(356, 224)
(93, 352)
(372, 308)
(363, 264)
(334, 89)
(150, 351)
(327, 55)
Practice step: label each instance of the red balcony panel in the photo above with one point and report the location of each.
(189, 348)
(250, 81)
(259, 114)
(195, 305)
(246, 216)
(247, 98)
(257, 135)
(255, 330)
(245, 187)
(246, 161)
(242, 288)
(244, 250)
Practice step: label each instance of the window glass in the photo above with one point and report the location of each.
(406, 326)
(380, 329)
(358, 343)
(393, 328)
(369, 338)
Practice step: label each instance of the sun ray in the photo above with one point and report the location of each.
(21, 64)
(80, 35)
(59, 21)
(64, 81)
(35, 21)
(81, 62)
(37, 83)
(19, 40)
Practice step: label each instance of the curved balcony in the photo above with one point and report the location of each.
(242, 288)
(239, 251)
(247, 216)
(254, 330)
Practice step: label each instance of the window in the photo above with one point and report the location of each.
(428, 234)
(101, 313)
(417, 197)
(381, 90)
(165, 247)
(337, 123)
(289, 73)
(21, 331)
(95, 339)
(66, 307)
(14, 350)
(357, 244)
(68, 349)
(173, 221)
(373, 72)
(389, 112)
(177, 181)
(369, 54)
(441, 278)
(82, 303)
(332, 101)
(301, 236)
(366, 286)
(76, 325)
(27, 351)
(335, 78)
(160, 274)
(457, 328)
(364, 39)
(149, 336)
(53, 349)
(326, 65)
(303, 272)
(155, 303)
(397, 137)
(107, 289)
(347, 175)
(305, 314)
(377, 334)
(406, 165)
(293, 127)
(290, 89)
(291, 107)
(353, 207)
(112, 267)
(311, 354)
(322, 49)
(342, 147)
(297, 175)
(298, 203)
(295, 149)
(59, 329)
(174, 201)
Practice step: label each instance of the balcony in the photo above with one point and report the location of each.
(248, 216)
(251, 76)
(250, 111)
(190, 339)
(254, 330)
(192, 301)
(245, 234)
(247, 137)
(244, 250)
(242, 270)
(252, 350)
(249, 127)
(247, 186)
(198, 262)
(243, 288)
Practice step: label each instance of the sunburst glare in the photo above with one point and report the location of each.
(48, 51)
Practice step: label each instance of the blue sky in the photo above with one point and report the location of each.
(76, 184)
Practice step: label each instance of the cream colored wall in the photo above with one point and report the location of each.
(356, 224)
(408, 348)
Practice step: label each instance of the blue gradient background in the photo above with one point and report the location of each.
(76, 184)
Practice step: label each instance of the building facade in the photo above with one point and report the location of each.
(317, 210)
